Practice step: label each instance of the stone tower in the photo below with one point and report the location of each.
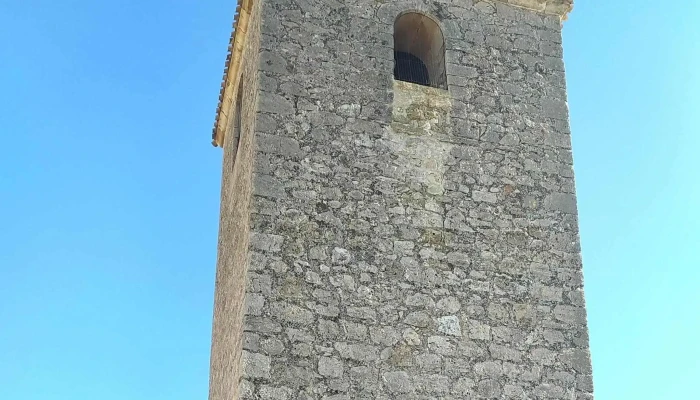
(398, 212)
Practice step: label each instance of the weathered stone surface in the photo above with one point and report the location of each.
(330, 367)
(563, 202)
(256, 365)
(396, 240)
(397, 382)
(449, 325)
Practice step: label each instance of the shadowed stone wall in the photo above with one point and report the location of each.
(234, 229)
(410, 242)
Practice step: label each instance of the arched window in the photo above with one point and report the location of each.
(419, 51)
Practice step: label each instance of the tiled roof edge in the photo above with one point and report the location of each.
(229, 83)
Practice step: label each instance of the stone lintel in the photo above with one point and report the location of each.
(554, 7)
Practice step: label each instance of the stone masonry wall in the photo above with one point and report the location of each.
(409, 242)
(234, 231)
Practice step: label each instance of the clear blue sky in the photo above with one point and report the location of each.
(109, 194)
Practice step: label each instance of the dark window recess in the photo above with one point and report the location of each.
(410, 68)
(419, 51)
(236, 123)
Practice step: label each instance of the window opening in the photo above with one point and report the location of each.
(236, 124)
(419, 51)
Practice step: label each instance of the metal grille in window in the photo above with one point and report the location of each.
(410, 68)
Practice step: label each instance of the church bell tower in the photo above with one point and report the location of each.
(398, 209)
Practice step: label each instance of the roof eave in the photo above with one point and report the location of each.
(232, 75)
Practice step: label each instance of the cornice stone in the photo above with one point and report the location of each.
(555, 7)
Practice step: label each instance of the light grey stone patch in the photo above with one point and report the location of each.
(246, 389)
(576, 297)
(510, 140)
(549, 391)
(299, 335)
(273, 62)
(279, 267)
(419, 300)
(506, 353)
(485, 7)
(570, 314)
(254, 303)
(577, 359)
(324, 296)
(269, 186)
(563, 378)
(292, 313)
(419, 319)
(440, 345)
(489, 388)
(304, 194)
(330, 367)
(397, 382)
(458, 259)
(272, 347)
(543, 356)
(292, 88)
(275, 104)
(478, 330)
(433, 384)
(552, 49)
(251, 341)
(275, 393)
(429, 362)
(557, 140)
(260, 283)
(485, 197)
(403, 247)
(338, 384)
(336, 397)
(262, 325)
(563, 202)
(449, 304)
(364, 373)
(328, 329)
(411, 337)
(514, 391)
(293, 376)
(364, 313)
(554, 108)
(384, 335)
(313, 277)
(326, 311)
(461, 71)
(346, 282)
(275, 144)
(322, 118)
(341, 256)
(553, 336)
(357, 352)
(266, 242)
(449, 325)
(255, 365)
(584, 382)
(463, 386)
(547, 293)
(318, 253)
(426, 219)
(533, 374)
(349, 110)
